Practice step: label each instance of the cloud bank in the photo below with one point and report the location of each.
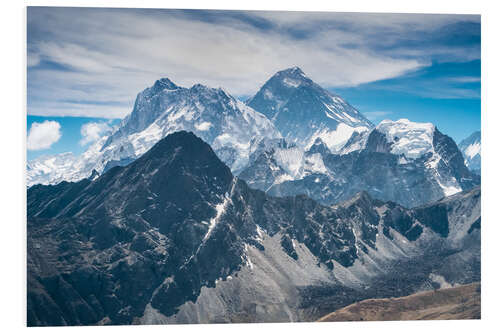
(43, 135)
(92, 62)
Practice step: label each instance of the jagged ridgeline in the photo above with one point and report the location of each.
(401, 161)
(292, 138)
(174, 237)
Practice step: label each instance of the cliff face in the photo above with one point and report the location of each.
(173, 237)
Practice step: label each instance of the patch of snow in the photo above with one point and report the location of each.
(291, 83)
(335, 139)
(449, 185)
(260, 233)
(283, 178)
(314, 164)
(359, 144)
(409, 138)
(449, 188)
(473, 149)
(204, 126)
(220, 209)
(291, 160)
(268, 94)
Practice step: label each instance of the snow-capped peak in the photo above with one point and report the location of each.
(292, 77)
(291, 72)
(471, 150)
(225, 123)
(409, 138)
(162, 84)
(303, 111)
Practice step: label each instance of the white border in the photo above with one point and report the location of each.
(13, 153)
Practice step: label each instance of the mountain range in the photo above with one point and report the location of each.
(223, 121)
(200, 208)
(231, 127)
(401, 161)
(292, 137)
(174, 237)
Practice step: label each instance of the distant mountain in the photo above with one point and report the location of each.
(226, 123)
(174, 237)
(471, 149)
(303, 111)
(402, 161)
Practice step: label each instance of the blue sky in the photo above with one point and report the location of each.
(71, 137)
(86, 65)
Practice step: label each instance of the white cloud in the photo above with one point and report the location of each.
(91, 132)
(110, 55)
(43, 135)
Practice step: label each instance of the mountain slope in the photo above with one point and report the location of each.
(471, 150)
(173, 237)
(463, 302)
(227, 124)
(402, 161)
(303, 111)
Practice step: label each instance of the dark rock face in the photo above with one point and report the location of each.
(157, 231)
(401, 221)
(122, 228)
(377, 143)
(319, 147)
(452, 161)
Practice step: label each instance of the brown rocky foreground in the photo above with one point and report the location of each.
(462, 302)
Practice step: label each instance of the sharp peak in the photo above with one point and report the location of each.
(181, 134)
(359, 197)
(292, 72)
(164, 83)
(178, 139)
(292, 77)
(475, 134)
(318, 141)
(199, 86)
(474, 137)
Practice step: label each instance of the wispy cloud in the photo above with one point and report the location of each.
(465, 79)
(103, 57)
(376, 115)
(441, 81)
